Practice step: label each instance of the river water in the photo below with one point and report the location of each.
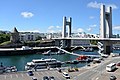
(20, 60)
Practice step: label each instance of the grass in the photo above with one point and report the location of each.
(5, 43)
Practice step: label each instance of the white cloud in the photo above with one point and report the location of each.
(80, 30)
(50, 27)
(95, 4)
(91, 27)
(53, 29)
(116, 28)
(60, 30)
(50, 31)
(58, 27)
(27, 14)
(77, 30)
(94, 25)
(91, 17)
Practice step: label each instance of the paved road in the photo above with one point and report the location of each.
(95, 72)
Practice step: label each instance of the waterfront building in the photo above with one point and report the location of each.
(85, 43)
(14, 36)
(30, 36)
(27, 37)
(116, 36)
(54, 35)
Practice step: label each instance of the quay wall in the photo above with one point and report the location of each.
(25, 52)
(35, 50)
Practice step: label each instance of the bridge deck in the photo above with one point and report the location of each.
(105, 39)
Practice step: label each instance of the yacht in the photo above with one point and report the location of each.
(43, 63)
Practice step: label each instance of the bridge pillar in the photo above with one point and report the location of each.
(66, 23)
(106, 28)
(105, 22)
(105, 47)
(65, 43)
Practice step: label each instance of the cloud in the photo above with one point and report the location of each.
(94, 25)
(50, 31)
(60, 30)
(91, 27)
(50, 27)
(80, 30)
(116, 27)
(27, 14)
(95, 4)
(91, 17)
(58, 27)
(53, 29)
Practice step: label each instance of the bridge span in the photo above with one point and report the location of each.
(75, 54)
(100, 39)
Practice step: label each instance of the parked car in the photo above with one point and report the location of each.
(113, 77)
(51, 78)
(34, 78)
(97, 60)
(65, 74)
(30, 73)
(118, 64)
(59, 70)
(45, 78)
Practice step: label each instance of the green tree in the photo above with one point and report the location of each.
(4, 37)
(94, 42)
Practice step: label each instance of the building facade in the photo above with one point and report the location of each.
(30, 36)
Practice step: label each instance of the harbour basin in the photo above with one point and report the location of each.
(20, 60)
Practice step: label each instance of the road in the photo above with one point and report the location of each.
(96, 72)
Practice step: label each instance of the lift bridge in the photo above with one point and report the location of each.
(105, 41)
(104, 44)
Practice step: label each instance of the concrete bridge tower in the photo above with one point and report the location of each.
(66, 24)
(106, 27)
(105, 22)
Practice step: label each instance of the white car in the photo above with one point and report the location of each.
(65, 74)
(34, 78)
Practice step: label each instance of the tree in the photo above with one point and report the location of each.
(39, 38)
(94, 42)
(4, 37)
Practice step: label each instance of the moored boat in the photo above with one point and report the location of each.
(72, 62)
(43, 63)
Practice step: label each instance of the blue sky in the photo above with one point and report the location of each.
(46, 15)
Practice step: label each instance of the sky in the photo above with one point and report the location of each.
(46, 16)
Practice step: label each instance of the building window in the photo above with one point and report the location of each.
(31, 37)
(28, 37)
